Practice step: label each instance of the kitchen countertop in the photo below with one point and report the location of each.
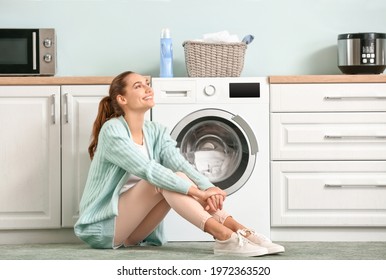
(106, 80)
(310, 79)
(30, 80)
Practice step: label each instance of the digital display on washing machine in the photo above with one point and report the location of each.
(244, 90)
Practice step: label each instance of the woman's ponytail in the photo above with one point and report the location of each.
(108, 108)
(105, 112)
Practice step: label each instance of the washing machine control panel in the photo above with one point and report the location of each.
(233, 90)
(230, 90)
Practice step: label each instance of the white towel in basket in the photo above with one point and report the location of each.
(220, 37)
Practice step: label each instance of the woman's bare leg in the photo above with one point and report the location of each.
(232, 224)
(149, 223)
(144, 206)
(140, 210)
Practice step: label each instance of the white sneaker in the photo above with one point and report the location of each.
(263, 241)
(238, 245)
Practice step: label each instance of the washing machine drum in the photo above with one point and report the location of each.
(218, 148)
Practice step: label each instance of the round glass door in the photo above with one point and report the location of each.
(218, 146)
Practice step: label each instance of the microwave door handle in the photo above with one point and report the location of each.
(34, 54)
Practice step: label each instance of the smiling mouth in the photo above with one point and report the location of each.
(148, 98)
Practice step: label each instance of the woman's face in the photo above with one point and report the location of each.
(139, 95)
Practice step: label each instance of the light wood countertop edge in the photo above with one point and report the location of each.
(304, 79)
(106, 80)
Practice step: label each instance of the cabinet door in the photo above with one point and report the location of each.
(29, 157)
(79, 110)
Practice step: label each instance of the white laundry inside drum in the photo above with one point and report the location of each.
(214, 149)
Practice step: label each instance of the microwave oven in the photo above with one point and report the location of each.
(27, 52)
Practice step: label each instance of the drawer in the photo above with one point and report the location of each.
(328, 193)
(179, 91)
(328, 136)
(328, 97)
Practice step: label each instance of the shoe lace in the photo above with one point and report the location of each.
(241, 238)
(245, 231)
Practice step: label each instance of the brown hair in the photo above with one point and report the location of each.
(108, 108)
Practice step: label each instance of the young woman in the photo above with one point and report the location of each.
(137, 174)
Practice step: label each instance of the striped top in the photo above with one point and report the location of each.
(115, 159)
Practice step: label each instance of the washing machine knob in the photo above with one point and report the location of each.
(210, 90)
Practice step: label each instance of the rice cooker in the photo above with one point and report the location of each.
(362, 53)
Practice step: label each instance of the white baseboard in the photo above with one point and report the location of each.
(329, 234)
(38, 236)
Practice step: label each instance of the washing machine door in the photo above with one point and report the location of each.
(220, 145)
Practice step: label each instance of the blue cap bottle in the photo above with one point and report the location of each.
(166, 58)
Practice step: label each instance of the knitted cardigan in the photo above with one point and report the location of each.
(115, 159)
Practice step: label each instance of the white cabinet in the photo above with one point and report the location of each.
(328, 152)
(45, 133)
(30, 157)
(79, 109)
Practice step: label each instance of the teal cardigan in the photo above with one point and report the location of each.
(115, 159)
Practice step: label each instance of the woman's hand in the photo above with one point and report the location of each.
(214, 198)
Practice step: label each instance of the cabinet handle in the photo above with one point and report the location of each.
(53, 106)
(329, 137)
(66, 108)
(353, 185)
(332, 98)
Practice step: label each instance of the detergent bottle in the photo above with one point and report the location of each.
(166, 58)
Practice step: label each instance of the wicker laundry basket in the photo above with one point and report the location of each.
(214, 59)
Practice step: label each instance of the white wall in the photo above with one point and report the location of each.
(105, 37)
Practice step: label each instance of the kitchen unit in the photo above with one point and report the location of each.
(328, 157)
(45, 126)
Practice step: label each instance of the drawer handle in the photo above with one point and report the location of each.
(331, 98)
(329, 137)
(354, 185)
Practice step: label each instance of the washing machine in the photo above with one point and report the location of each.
(221, 126)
